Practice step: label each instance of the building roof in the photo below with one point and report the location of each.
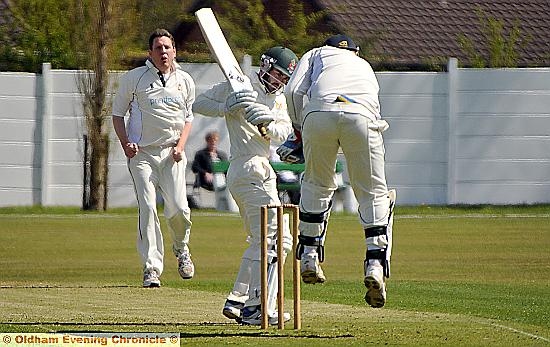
(405, 32)
(419, 34)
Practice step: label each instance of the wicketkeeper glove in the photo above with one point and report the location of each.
(291, 151)
(238, 100)
(258, 114)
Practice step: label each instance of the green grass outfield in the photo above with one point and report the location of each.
(461, 276)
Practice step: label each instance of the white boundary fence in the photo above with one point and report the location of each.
(466, 136)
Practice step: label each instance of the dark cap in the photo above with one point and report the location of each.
(342, 41)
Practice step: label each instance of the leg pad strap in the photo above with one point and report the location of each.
(375, 231)
(315, 217)
(310, 241)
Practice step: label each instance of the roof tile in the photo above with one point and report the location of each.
(410, 31)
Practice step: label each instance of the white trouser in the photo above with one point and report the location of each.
(154, 168)
(361, 141)
(252, 183)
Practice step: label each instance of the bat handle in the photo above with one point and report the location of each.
(263, 131)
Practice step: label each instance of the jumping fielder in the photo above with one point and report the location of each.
(158, 97)
(250, 178)
(341, 110)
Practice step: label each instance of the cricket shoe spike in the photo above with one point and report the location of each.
(232, 310)
(374, 281)
(186, 268)
(310, 269)
(151, 279)
(252, 315)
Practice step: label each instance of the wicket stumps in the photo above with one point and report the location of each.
(281, 209)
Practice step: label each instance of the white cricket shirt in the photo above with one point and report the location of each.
(244, 138)
(332, 79)
(158, 108)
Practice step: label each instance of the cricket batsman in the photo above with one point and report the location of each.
(250, 178)
(333, 102)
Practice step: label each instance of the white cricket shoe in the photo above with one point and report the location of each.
(310, 269)
(252, 315)
(151, 279)
(232, 309)
(375, 283)
(186, 268)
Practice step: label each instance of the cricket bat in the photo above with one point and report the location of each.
(223, 54)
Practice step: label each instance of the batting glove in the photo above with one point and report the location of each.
(291, 151)
(240, 100)
(258, 114)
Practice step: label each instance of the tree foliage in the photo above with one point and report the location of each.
(252, 30)
(501, 46)
(60, 32)
(37, 33)
(165, 14)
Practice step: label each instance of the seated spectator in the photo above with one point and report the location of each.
(202, 163)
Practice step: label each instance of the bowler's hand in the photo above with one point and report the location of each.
(130, 149)
(177, 154)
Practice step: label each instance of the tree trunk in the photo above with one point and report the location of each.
(97, 115)
(99, 171)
